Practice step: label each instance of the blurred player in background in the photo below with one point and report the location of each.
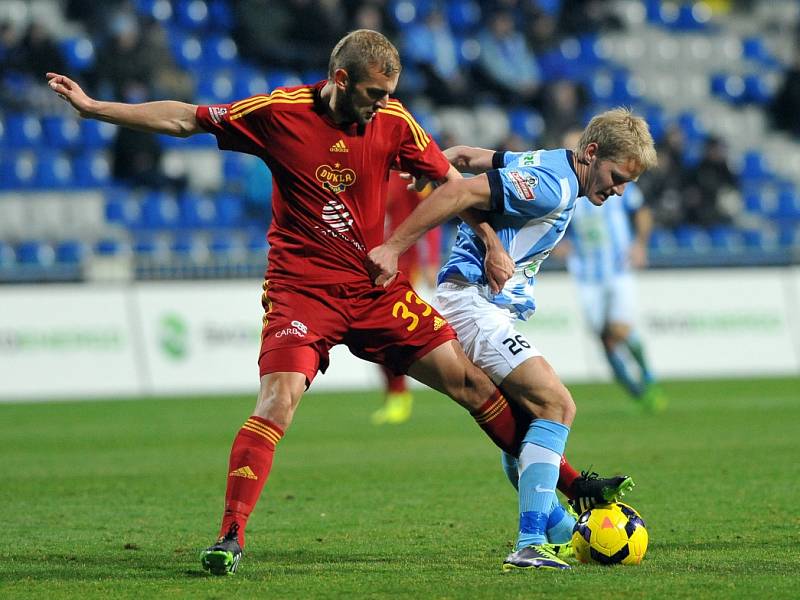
(529, 198)
(420, 264)
(330, 147)
(602, 251)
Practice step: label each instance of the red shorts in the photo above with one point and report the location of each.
(390, 326)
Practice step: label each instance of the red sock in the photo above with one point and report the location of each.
(505, 424)
(394, 383)
(248, 470)
(566, 475)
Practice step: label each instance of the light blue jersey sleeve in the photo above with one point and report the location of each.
(525, 186)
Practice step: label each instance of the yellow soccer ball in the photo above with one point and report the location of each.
(610, 534)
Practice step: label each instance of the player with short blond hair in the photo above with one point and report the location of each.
(529, 198)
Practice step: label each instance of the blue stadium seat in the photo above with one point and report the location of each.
(789, 235)
(96, 135)
(191, 14)
(61, 132)
(788, 207)
(527, 123)
(755, 48)
(662, 241)
(111, 247)
(757, 89)
(160, 10)
(187, 51)
(122, 208)
(229, 210)
(219, 51)
(724, 237)
(691, 237)
(35, 253)
(18, 171)
(153, 247)
(405, 12)
(282, 78)
(220, 15)
(53, 171)
(190, 246)
(160, 211)
(78, 53)
(463, 15)
(216, 88)
(23, 131)
(71, 252)
(91, 169)
(257, 241)
(754, 167)
(197, 211)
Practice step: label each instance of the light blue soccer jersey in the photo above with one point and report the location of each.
(601, 237)
(533, 196)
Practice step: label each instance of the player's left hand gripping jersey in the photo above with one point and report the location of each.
(329, 181)
(533, 196)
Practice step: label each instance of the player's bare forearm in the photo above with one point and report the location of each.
(453, 197)
(469, 159)
(443, 203)
(165, 116)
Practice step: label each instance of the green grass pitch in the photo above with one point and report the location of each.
(115, 499)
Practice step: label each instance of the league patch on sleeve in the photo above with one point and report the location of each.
(217, 113)
(524, 184)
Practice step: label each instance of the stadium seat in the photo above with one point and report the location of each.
(191, 14)
(61, 132)
(724, 237)
(229, 210)
(23, 131)
(691, 237)
(96, 135)
(71, 252)
(92, 169)
(160, 10)
(220, 15)
(78, 53)
(257, 241)
(191, 246)
(35, 253)
(197, 211)
(53, 171)
(111, 247)
(160, 211)
(662, 241)
(754, 166)
(526, 122)
(463, 15)
(219, 51)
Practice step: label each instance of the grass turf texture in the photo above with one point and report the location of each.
(115, 499)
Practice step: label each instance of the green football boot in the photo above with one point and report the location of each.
(223, 557)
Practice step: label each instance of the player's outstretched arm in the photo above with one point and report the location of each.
(167, 116)
(446, 201)
(469, 159)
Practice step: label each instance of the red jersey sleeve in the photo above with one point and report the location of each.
(241, 126)
(418, 154)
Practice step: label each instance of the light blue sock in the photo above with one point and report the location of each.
(539, 462)
(559, 524)
(511, 468)
(622, 373)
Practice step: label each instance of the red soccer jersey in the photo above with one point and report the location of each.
(329, 181)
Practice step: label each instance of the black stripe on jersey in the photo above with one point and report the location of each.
(496, 191)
